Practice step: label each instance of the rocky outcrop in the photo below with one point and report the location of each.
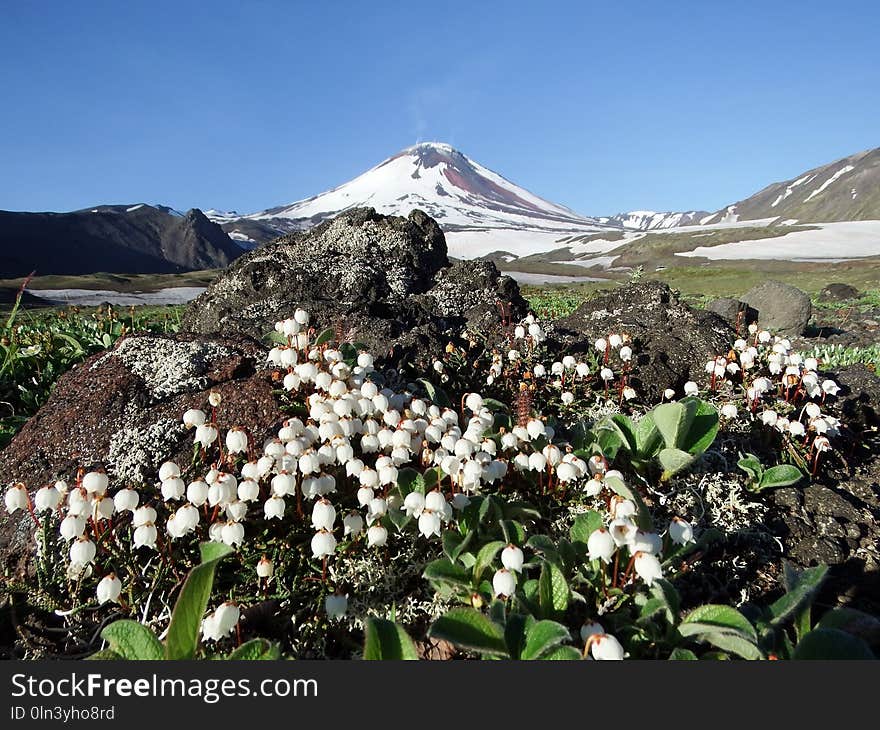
(838, 293)
(122, 410)
(672, 341)
(115, 238)
(381, 280)
(781, 309)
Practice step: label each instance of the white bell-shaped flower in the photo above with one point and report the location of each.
(512, 558)
(108, 589)
(680, 531)
(95, 482)
(323, 544)
(323, 515)
(47, 498)
(273, 508)
(647, 567)
(504, 583)
(600, 545)
(377, 536)
(429, 523)
(606, 647)
(352, 524)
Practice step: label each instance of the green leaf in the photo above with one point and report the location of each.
(485, 557)
(542, 543)
(349, 353)
(783, 475)
(513, 531)
(431, 479)
(385, 640)
(625, 430)
(751, 465)
(666, 593)
(720, 617)
(802, 589)
(454, 542)
(673, 420)
(515, 634)
(495, 405)
(256, 650)
(734, 644)
(131, 640)
(608, 442)
(437, 395)
(679, 655)
(852, 621)
(831, 644)
(213, 551)
(584, 525)
(543, 636)
(674, 461)
(581, 436)
(409, 480)
(651, 608)
(107, 655)
(325, 336)
(648, 438)
(563, 653)
(498, 612)
(445, 571)
(471, 630)
(183, 632)
(703, 427)
(553, 590)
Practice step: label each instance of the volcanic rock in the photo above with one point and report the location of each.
(384, 281)
(731, 310)
(838, 293)
(122, 410)
(672, 341)
(782, 309)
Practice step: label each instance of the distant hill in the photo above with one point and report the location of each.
(844, 190)
(114, 238)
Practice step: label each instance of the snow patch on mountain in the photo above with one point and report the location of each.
(836, 176)
(649, 220)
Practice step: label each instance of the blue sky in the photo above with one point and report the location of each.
(601, 106)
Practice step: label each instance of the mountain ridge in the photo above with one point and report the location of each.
(136, 238)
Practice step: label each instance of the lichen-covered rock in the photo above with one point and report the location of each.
(381, 280)
(122, 410)
(782, 309)
(672, 341)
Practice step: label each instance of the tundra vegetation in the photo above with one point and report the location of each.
(518, 503)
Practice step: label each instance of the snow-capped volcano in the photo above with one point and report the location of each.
(479, 210)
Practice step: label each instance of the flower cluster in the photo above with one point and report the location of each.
(778, 387)
(606, 369)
